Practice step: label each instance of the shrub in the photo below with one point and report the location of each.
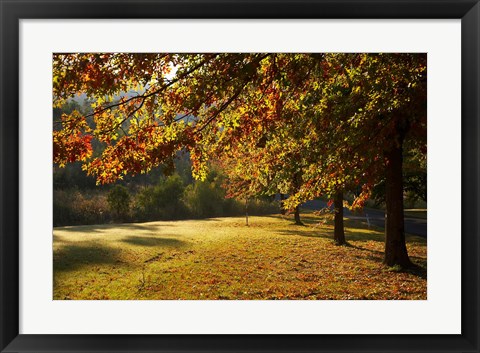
(119, 202)
(204, 199)
(163, 201)
(70, 207)
(257, 207)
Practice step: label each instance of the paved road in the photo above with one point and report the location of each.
(416, 226)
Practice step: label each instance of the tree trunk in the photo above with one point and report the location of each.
(339, 232)
(297, 182)
(282, 198)
(298, 222)
(395, 246)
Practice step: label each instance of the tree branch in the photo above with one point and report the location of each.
(232, 98)
(162, 88)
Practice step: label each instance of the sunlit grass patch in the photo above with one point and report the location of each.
(222, 258)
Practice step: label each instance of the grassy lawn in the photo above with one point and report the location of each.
(222, 258)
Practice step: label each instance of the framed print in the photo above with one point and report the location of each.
(239, 176)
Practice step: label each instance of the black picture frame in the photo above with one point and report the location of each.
(12, 11)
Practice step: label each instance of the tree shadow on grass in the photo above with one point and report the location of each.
(328, 234)
(354, 231)
(74, 256)
(151, 226)
(153, 241)
(353, 228)
(360, 235)
(300, 231)
(307, 219)
(102, 228)
(57, 239)
(419, 268)
(416, 270)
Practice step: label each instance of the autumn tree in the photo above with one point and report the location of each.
(331, 167)
(362, 109)
(394, 112)
(383, 108)
(359, 109)
(265, 166)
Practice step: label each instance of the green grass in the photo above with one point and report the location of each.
(222, 258)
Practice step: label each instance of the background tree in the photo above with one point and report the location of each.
(119, 201)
